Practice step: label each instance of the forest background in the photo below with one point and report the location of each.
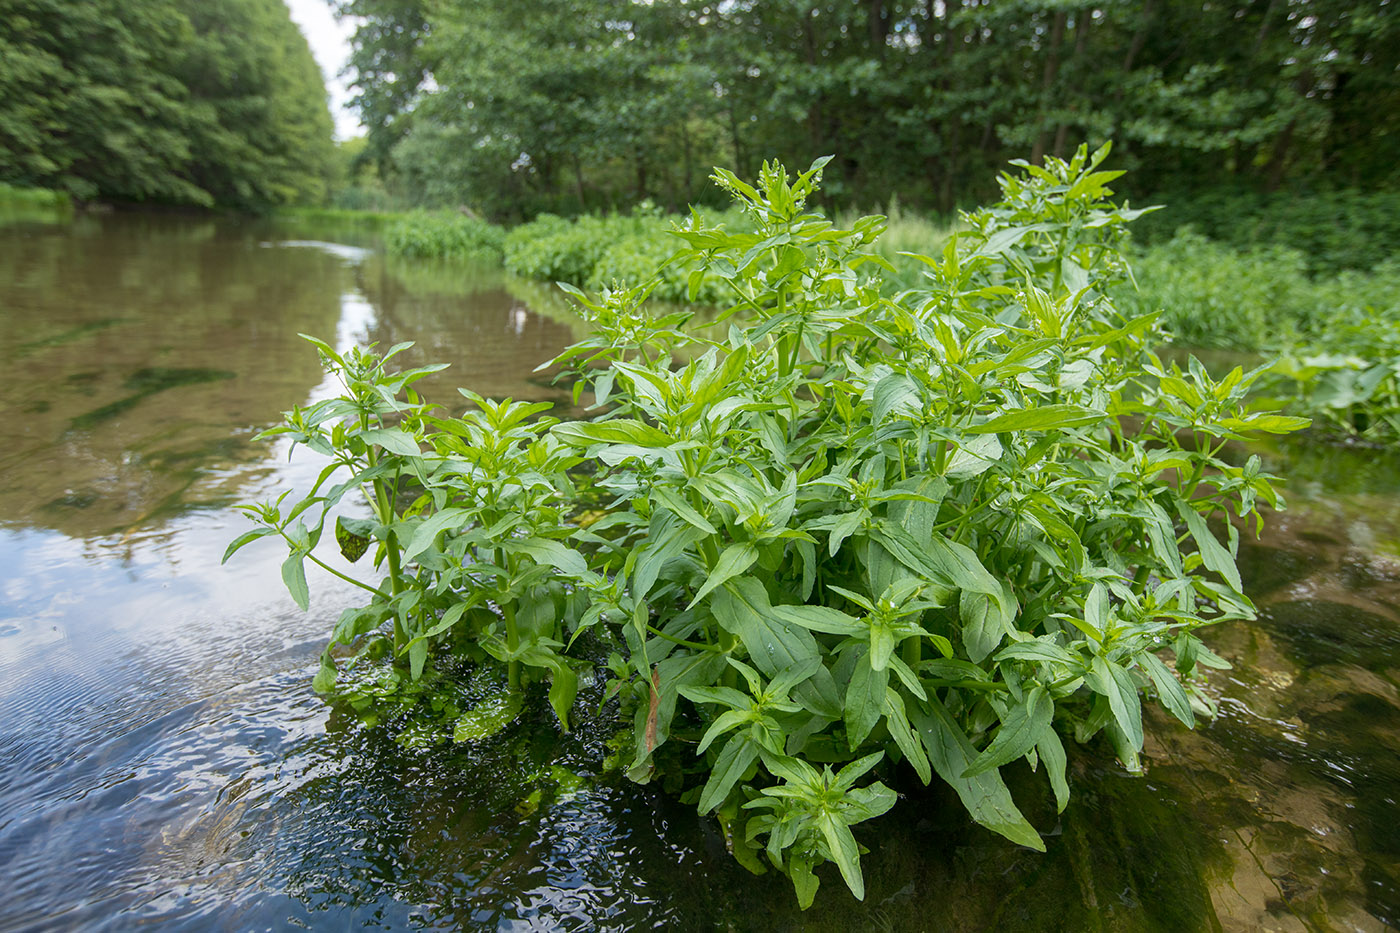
(573, 106)
(570, 106)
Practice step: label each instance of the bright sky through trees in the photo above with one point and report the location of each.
(330, 44)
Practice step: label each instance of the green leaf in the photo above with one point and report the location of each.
(844, 851)
(1020, 731)
(1052, 754)
(985, 795)
(676, 503)
(550, 553)
(974, 457)
(426, 531)
(804, 882)
(738, 754)
(294, 576)
(563, 688)
(245, 538)
(896, 394)
(897, 721)
(352, 544)
(487, 718)
(865, 700)
(736, 559)
(1115, 683)
(819, 619)
(417, 657)
(1169, 689)
(741, 607)
(1213, 553)
(1037, 649)
(617, 431)
(1045, 418)
(393, 440)
(984, 624)
(324, 681)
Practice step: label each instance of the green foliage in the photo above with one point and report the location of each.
(573, 106)
(12, 197)
(1331, 231)
(163, 100)
(554, 249)
(601, 252)
(854, 533)
(1213, 295)
(1338, 335)
(423, 235)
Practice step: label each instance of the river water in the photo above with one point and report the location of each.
(164, 761)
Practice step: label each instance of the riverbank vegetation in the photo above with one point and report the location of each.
(172, 102)
(853, 541)
(1332, 319)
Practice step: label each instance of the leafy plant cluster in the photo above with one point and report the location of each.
(837, 537)
(1338, 336)
(443, 235)
(598, 252)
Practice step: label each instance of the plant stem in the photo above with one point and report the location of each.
(512, 643)
(348, 579)
(681, 641)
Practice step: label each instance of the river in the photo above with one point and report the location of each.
(164, 761)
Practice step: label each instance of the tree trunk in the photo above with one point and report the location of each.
(1081, 41)
(1279, 159)
(578, 183)
(878, 27)
(1052, 67)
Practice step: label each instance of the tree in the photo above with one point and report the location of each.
(172, 101)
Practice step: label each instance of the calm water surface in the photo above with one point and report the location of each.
(164, 762)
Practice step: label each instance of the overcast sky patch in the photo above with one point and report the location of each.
(330, 43)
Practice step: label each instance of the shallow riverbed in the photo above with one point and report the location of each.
(164, 760)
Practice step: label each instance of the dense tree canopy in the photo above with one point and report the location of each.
(174, 101)
(572, 104)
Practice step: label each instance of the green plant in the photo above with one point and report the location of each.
(469, 524)
(852, 533)
(423, 235)
(604, 252)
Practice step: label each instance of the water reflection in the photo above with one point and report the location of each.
(162, 759)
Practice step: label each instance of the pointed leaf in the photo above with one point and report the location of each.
(985, 795)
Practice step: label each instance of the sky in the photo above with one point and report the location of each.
(330, 43)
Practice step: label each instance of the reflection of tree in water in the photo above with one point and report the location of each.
(143, 353)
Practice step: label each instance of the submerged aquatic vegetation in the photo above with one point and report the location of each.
(855, 532)
(144, 383)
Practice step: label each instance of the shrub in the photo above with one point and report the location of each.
(600, 252)
(423, 235)
(935, 533)
(1338, 336)
(558, 250)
